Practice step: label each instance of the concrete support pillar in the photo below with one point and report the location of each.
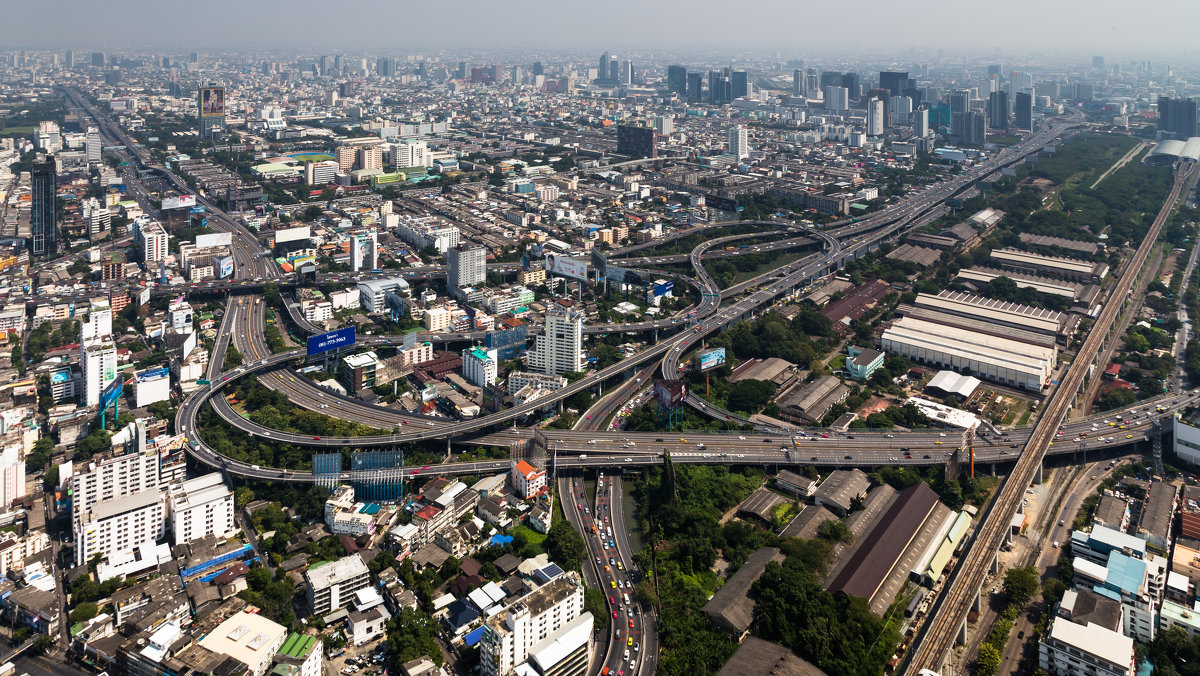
(995, 567)
(962, 632)
(1037, 477)
(977, 602)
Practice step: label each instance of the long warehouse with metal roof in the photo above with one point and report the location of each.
(1073, 269)
(992, 357)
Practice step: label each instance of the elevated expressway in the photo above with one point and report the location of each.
(947, 623)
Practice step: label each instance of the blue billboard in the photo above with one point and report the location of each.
(223, 267)
(152, 374)
(712, 359)
(330, 341)
(664, 288)
(198, 209)
(112, 393)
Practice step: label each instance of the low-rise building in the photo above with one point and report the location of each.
(331, 586)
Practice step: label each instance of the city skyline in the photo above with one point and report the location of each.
(1025, 26)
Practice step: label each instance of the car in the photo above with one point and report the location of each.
(1021, 634)
(614, 614)
(928, 457)
(1128, 436)
(937, 443)
(630, 643)
(849, 457)
(631, 624)
(611, 601)
(316, 438)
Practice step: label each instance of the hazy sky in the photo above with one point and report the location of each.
(792, 27)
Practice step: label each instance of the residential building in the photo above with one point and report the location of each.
(637, 141)
(199, 507)
(837, 98)
(98, 353)
(739, 145)
(425, 232)
(151, 240)
(560, 347)
(357, 371)
(1023, 111)
(875, 117)
(250, 638)
(331, 586)
(1177, 117)
(510, 635)
(527, 481)
(12, 475)
(466, 265)
(1091, 650)
(479, 366)
(305, 652)
(43, 217)
(118, 525)
(520, 379)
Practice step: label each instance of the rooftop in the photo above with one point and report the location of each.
(756, 657)
(1094, 639)
(731, 608)
(345, 568)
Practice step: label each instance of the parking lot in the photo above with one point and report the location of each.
(365, 660)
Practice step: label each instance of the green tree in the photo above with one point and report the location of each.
(243, 496)
(1020, 584)
(84, 612)
(987, 662)
(565, 546)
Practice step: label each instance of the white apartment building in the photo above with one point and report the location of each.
(437, 319)
(739, 144)
(151, 241)
(123, 473)
(411, 153)
(875, 117)
(1091, 650)
(417, 354)
(372, 293)
(97, 354)
(12, 475)
(118, 525)
(346, 298)
(560, 348)
(423, 232)
(14, 549)
(480, 367)
(519, 379)
(200, 507)
(527, 480)
(466, 265)
(509, 635)
(317, 310)
(332, 586)
(320, 173)
(502, 301)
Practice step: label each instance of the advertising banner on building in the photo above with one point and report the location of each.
(152, 374)
(223, 266)
(179, 202)
(212, 101)
(670, 393)
(111, 393)
(563, 266)
(214, 239)
(332, 340)
(664, 288)
(292, 234)
(144, 297)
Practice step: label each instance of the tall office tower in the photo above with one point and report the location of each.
(99, 59)
(560, 348)
(1023, 111)
(210, 101)
(677, 80)
(960, 100)
(364, 252)
(664, 125)
(97, 354)
(1177, 117)
(70, 59)
(995, 70)
(637, 141)
(811, 85)
(625, 73)
(605, 66)
(92, 144)
(993, 84)
(901, 108)
(370, 158)
(894, 81)
(466, 266)
(740, 82)
(997, 110)
(325, 65)
(411, 152)
(830, 78)
(516, 74)
(739, 144)
(920, 123)
(695, 82)
(974, 128)
(194, 57)
(875, 117)
(614, 70)
(537, 68)
(720, 89)
(464, 70)
(44, 215)
(1018, 81)
(797, 82)
(853, 84)
(1097, 62)
(385, 66)
(837, 98)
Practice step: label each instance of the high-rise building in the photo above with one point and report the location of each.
(511, 636)
(664, 125)
(797, 82)
(344, 156)
(894, 81)
(960, 101)
(605, 67)
(1023, 111)
(364, 251)
(901, 108)
(98, 353)
(369, 158)
(92, 144)
(720, 87)
(1177, 117)
(411, 153)
(200, 507)
(44, 215)
(119, 525)
(331, 586)
(466, 266)
(479, 366)
(625, 73)
(385, 66)
(320, 173)
(920, 123)
(740, 82)
(210, 107)
(997, 110)
(875, 117)
(70, 60)
(99, 59)
(677, 80)
(739, 144)
(695, 82)
(974, 128)
(853, 84)
(537, 69)
(1097, 62)
(837, 98)
(830, 78)
(12, 474)
(637, 141)
(560, 348)
(151, 239)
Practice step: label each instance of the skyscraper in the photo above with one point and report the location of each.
(797, 82)
(677, 80)
(853, 84)
(637, 141)
(97, 353)
(44, 215)
(997, 110)
(1023, 111)
(1177, 117)
(920, 123)
(720, 87)
(695, 82)
(560, 348)
(364, 252)
(739, 144)
(99, 59)
(70, 59)
(740, 83)
(602, 72)
(875, 117)
(837, 98)
(385, 66)
(210, 100)
(960, 101)
(901, 108)
(894, 81)
(92, 144)
(465, 266)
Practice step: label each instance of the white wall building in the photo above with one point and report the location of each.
(200, 507)
(118, 525)
(332, 586)
(423, 232)
(250, 638)
(97, 353)
(12, 475)
(739, 144)
(560, 347)
(875, 117)
(1073, 649)
(151, 240)
(479, 366)
(509, 635)
(466, 265)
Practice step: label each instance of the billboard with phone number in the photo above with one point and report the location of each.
(330, 341)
